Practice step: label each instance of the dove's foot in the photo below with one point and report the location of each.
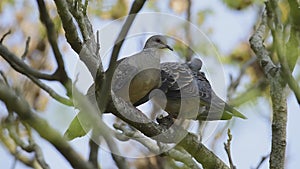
(165, 121)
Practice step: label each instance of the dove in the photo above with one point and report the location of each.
(189, 93)
(136, 75)
(185, 92)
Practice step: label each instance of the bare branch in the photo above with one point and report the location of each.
(26, 48)
(20, 66)
(13, 151)
(188, 31)
(94, 148)
(51, 32)
(277, 86)
(177, 154)
(263, 159)
(38, 151)
(103, 87)
(175, 133)
(263, 55)
(78, 10)
(115, 153)
(89, 51)
(228, 151)
(204, 156)
(32, 74)
(282, 53)
(234, 83)
(19, 105)
(68, 25)
(4, 36)
(3, 77)
(52, 38)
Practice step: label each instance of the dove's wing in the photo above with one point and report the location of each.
(137, 75)
(215, 106)
(177, 81)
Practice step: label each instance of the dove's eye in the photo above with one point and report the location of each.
(158, 40)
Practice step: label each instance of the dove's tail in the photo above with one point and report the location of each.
(234, 112)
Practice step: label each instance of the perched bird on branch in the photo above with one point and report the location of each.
(136, 75)
(185, 92)
(211, 107)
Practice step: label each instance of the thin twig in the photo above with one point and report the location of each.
(86, 3)
(52, 38)
(3, 37)
(234, 84)
(119, 160)
(32, 74)
(13, 151)
(78, 11)
(94, 148)
(263, 159)
(228, 151)
(188, 31)
(26, 48)
(105, 86)
(3, 77)
(19, 105)
(38, 151)
(21, 66)
(50, 91)
(89, 51)
(178, 154)
(98, 42)
(31, 147)
(68, 25)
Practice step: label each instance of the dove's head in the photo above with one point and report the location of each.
(195, 64)
(158, 42)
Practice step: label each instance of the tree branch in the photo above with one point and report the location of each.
(277, 86)
(228, 149)
(178, 155)
(19, 105)
(263, 159)
(89, 51)
(52, 38)
(26, 48)
(78, 10)
(6, 141)
(175, 134)
(234, 83)
(285, 51)
(103, 87)
(94, 148)
(68, 25)
(262, 54)
(187, 29)
(4, 36)
(22, 68)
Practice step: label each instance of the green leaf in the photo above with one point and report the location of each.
(79, 127)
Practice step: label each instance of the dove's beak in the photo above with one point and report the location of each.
(167, 46)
